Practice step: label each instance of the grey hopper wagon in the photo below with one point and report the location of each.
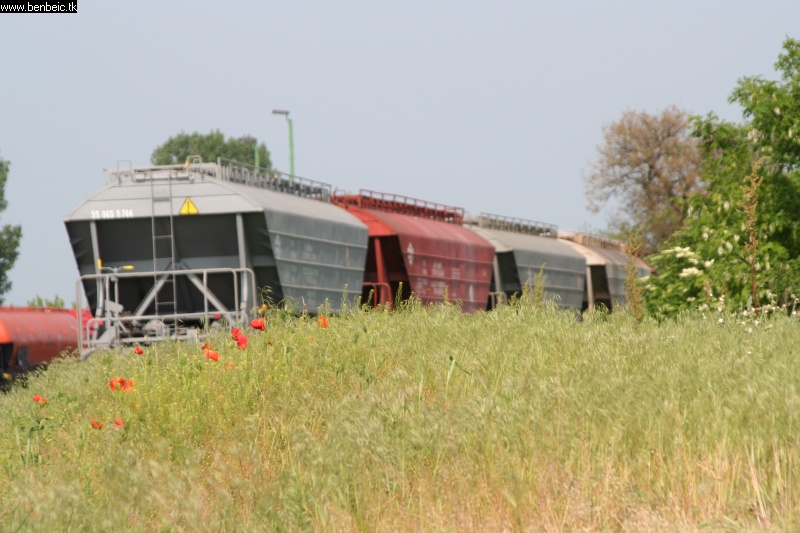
(162, 250)
(606, 267)
(523, 249)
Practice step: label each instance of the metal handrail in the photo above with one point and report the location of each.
(228, 170)
(404, 205)
(115, 320)
(517, 225)
(594, 241)
(265, 178)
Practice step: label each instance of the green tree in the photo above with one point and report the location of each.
(713, 254)
(175, 150)
(650, 164)
(10, 237)
(38, 301)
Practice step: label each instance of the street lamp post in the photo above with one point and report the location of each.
(291, 140)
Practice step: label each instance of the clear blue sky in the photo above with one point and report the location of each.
(491, 106)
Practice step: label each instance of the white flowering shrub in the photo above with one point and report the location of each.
(741, 242)
(678, 283)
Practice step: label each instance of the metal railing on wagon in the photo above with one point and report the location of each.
(112, 326)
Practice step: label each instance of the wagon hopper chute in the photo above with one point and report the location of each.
(606, 267)
(169, 246)
(422, 246)
(523, 249)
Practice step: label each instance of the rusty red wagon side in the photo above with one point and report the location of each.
(422, 246)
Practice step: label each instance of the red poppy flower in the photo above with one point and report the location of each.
(322, 320)
(217, 316)
(41, 400)
(96, 424)
(138, 351)
(121, 384)
(259, 323)
(211, 354)
(118, 423)
(206, 346)
(241, 342)
(235, 332)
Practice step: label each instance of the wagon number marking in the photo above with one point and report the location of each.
(111, 213)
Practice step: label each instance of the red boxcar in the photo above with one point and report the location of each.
(33, 336)
(423, 246)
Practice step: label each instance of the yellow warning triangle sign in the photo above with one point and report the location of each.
(188, 208)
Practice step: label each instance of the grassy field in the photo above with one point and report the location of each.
(424, 419)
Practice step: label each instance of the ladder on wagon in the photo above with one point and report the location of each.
(165, 289)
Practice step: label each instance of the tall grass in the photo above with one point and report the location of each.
(420, 419)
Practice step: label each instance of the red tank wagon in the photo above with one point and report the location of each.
(30, 337)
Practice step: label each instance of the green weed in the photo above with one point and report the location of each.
(419, 419)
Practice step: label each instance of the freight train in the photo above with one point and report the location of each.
(163, 249)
